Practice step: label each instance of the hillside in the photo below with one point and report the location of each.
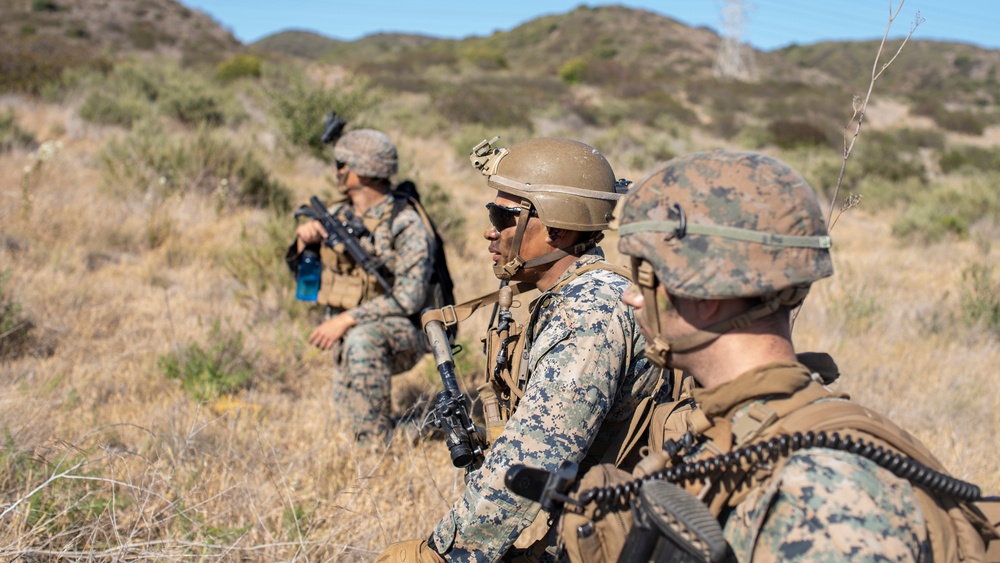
(159, 399)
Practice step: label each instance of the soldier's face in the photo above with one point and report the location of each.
(501, 236)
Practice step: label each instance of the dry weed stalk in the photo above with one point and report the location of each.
(860, 105)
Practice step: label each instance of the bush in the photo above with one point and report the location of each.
(193, 103)
(980, 297)
(15, 328)
(239, 66)
(970, 158)
(791, 134)
(134, 89)
(12, 136)
(960, 122)
(876, 156)
(496, 101)
(944, 210)
(573, 70)
(107, 108)
(301, 107)
(209, 163)
(222, 369)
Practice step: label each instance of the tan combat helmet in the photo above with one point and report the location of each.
(567, 184)
(368, 152)
(723, 225)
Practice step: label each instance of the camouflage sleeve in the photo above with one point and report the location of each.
(412, 248)
(829, 505)
(576, 362)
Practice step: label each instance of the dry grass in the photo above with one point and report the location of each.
(104, 458)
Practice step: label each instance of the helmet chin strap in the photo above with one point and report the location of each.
(659, 349)
(507, 271)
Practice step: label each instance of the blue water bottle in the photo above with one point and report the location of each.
(309, 275)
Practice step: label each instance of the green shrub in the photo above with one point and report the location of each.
(875, 157)
(947, 209)
(107, 108)
(15, 328)
(573, 70)
(788, 134)
(133, 89)
(147, 160)
(970, 158)
(238, 66)
(919, 138)
(258, 189)
(960, 122)
(12, 136)
(222, 369)
(258, 267)
(45, 6)
(32, 63)
(980, 297)
(301, 107)
(496, 101)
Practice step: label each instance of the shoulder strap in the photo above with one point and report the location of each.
(453, 314)
(599, 265)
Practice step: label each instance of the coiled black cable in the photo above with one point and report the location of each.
(900, 465)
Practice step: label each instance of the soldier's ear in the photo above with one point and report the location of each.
(556, 234)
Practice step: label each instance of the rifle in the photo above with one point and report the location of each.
(465, 442)
(346, 233)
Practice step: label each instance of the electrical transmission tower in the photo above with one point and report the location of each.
(734, 59)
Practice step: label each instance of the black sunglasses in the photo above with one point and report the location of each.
(505, 217)
(341, 164)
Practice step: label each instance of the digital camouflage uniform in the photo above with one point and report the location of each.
(727, 225)
(824, 504)
(586, 370)
(385, 341)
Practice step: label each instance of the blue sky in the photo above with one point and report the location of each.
(769, 24)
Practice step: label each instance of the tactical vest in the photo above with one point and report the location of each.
(507, 350)
(345, 284)
(957, 530)
(507, 371)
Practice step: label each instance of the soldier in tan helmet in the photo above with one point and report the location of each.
(567, 384)
(724, 244)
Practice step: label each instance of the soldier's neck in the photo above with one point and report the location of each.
(364, 197)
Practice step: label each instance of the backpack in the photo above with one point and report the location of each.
(441, 291)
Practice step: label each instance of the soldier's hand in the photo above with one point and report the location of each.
(310, 232)
(328, 333)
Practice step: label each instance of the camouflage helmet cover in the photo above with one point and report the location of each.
(570, 183)
(368, 152)
(726, 224)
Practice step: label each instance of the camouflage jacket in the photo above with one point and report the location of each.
(405, 247)
(587, 368)
(823, 505)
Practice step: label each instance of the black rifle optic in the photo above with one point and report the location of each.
(344, 232)
(465, 442)
(332, 128)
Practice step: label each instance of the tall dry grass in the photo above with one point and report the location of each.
(103, 458)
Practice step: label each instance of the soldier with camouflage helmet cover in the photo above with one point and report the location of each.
(373, 335)
(724, 244)
(583, 370)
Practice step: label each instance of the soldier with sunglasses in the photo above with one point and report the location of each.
(564, 384)
(371, 332)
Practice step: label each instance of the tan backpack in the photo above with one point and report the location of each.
(958, 530)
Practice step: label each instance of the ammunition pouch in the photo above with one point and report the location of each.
(596, 533)
(345, 285)
(506, 380)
